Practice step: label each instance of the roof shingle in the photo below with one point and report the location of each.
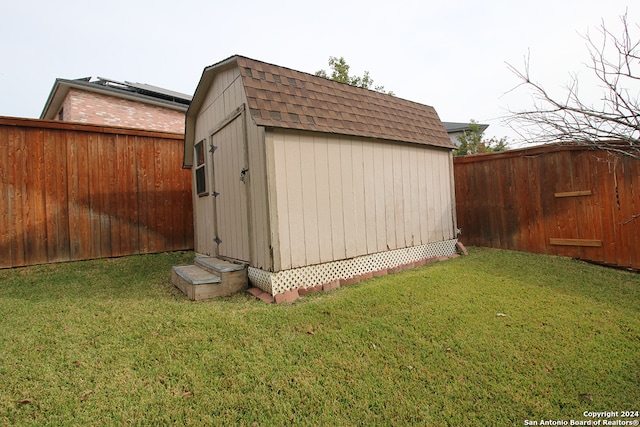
(284, 98)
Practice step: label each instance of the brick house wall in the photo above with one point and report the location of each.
(94, 108)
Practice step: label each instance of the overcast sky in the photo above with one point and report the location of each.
(448, 54)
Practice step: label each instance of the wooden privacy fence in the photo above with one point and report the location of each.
(568, 201)
(73, 192)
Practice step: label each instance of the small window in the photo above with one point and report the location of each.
(201, 182)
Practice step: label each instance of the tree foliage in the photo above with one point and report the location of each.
(340, 73)
(472, 142)
(611, 124)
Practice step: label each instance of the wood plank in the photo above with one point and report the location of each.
(336, 199)
(422, 195)
(95, 203)
(6, 199)
(297, 229)
(357, 168)
(309, 188)
(573, 193)
(157, 241)
(11, 220)
(391, 241)
(448, 193)
(73, 196)
(260, 209)
(345, 163)
(535, 222)
(605, 189)
(575, 242)
(408, 195)
(624, 245)
(395, 160)
(108, 189)
(587, 215)
(323, 196)
(633, 223)
(62, 242)
(130, 235)
(273, 199)
(280, 207)
(144, 189)
(369, 191)
(35, 188)
(381, 197)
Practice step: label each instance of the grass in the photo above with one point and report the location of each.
(112, 342)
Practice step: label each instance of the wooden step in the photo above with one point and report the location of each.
(209, 278)
(216, 265)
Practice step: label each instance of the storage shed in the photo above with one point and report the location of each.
(307, 181)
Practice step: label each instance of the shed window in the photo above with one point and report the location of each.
(201, 182)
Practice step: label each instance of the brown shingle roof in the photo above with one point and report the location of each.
(284, 98)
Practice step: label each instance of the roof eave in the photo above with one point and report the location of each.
(54, 101)
(62, 86)
(444, 145)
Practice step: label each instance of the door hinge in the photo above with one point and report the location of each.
(217, 240)
(213, 148)
(215, 194)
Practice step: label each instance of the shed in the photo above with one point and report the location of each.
(308, 181)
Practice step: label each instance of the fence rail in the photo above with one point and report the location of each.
(568, 201)
(74, 191)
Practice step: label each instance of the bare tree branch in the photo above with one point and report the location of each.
(614, 124)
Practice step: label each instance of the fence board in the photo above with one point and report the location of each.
(510, 200)
(72, 192)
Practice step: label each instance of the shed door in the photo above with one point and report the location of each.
(230, 178)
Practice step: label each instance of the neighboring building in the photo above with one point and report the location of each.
(456, 130)
(309, 181)
(112, 103)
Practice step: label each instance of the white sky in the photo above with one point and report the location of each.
(450, 54)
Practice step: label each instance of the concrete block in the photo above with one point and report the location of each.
(396, 269)
(310, 290)
(335, 284)
(287, 296)
(349, 281)
(420, 262)
(255, 291)
(380, 273)
(268, 298)
(366, 276)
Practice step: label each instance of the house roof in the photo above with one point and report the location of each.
(453, 127)
(133, 91)
(280, 97)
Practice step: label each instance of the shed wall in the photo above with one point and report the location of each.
(225, 95)
(335, 197)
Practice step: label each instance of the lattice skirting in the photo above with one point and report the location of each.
(304, 277)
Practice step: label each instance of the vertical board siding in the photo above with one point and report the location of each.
(73, 192)
(338, 198)
(508, 201)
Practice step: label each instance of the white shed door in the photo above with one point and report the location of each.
(230, 178)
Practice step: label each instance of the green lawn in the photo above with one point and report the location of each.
(112, 342)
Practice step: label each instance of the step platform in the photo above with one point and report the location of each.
(209, 278)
